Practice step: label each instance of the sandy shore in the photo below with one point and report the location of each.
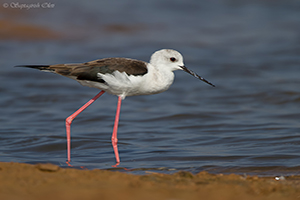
(47, 181)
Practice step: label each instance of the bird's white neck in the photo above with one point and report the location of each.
(159, 79)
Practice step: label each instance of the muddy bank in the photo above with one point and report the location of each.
(47, 181)
(20, 31)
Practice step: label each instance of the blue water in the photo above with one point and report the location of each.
(248, 124)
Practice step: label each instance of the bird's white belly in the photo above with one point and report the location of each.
(121, 84)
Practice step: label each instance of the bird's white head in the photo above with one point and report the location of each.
(167, 58)
(172, 60)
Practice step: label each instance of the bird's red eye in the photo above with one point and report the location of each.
(173, 59)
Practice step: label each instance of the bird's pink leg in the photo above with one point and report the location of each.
(70, 119)
(114, 139)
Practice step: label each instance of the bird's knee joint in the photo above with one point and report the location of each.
(69, 121)
(114, 140)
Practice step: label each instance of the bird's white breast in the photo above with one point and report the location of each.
(121, 84)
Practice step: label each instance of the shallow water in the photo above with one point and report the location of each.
(248, 124)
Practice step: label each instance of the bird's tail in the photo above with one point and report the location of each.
(40, 67)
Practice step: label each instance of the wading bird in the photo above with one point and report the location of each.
(122, 77)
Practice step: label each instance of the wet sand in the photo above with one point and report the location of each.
(47, 181)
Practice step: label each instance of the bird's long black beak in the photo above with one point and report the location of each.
(196, 75)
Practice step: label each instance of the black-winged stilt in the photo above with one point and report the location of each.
(122, 77)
